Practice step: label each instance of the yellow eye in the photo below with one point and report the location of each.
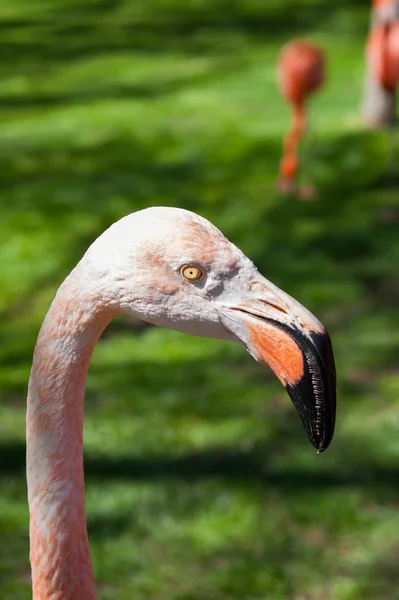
(191, 272)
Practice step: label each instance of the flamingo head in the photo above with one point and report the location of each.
(300, 70)
(173, 268)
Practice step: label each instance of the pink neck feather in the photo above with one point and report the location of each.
(59, 547)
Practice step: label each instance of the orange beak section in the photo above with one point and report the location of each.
(278, 350)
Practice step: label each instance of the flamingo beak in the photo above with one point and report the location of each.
(279, 332)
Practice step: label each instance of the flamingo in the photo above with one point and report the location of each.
(300, 73)
(382, 57)
(172, 268)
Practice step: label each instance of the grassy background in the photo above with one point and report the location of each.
(200, 482)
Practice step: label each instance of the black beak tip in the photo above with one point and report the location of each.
(314, 396)
(320, 443)
(323, 445)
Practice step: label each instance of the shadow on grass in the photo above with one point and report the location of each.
(62, 33)
(360, 470)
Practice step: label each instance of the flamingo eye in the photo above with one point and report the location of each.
(191, 273)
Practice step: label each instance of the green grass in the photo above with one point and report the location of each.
(200, 482)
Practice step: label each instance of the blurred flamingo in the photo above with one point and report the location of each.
(301, 72)
(382, 54)
(382, 57)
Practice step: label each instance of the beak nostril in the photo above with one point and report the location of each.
(279, 308)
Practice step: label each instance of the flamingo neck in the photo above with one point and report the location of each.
(59, 547)
(297, 129)
(289, 161)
